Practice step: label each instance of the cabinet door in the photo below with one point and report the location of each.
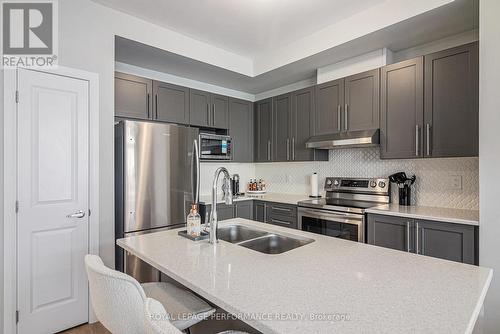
(243, 209)
(302, 124)
(391, 232)
(171, 103)
(263, 130)
(133, 96)
(452, 102)
(241, 129)
(362, 92)
(447, 241)
(220, 111)
(224, 212)
(200, 113)
(329, 106)
(281, 139)
(259, 211)
(402, 110)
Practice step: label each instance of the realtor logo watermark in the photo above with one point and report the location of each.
(29, 36)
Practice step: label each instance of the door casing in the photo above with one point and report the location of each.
(10, 180)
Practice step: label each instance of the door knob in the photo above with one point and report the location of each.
(78, 214)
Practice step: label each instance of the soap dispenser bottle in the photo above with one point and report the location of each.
(194, 222)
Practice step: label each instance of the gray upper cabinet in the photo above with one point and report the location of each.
(401, 101)
(452, 242)
(241, 129)
(390, 232)
(171, 103)
(302, 126)
(133, 96)
(208, 110)
(281, 128)
(263, 133)
(200, 108)
(329, 106)
(452, 102)
(361, 110)
(220, 111)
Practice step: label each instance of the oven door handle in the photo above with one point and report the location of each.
(342, 217)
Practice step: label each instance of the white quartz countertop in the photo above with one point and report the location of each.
(458, 216)
(268, 197)
(328, 286)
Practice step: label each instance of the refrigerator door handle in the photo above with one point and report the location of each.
(195, 175)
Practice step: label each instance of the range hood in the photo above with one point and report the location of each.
(364, 138)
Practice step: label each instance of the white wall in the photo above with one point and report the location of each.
(489, 155)
(1, 199)
(246, 171)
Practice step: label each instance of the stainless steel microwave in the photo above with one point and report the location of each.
(215, 147)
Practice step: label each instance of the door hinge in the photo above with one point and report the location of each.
(17, 317)
(17, 96)
(17, 206)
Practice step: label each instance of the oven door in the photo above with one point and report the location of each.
(335, 224)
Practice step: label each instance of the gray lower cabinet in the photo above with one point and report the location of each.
(241, 129)
(171, 103)
(454, 242)
(243, 210)
(329, 106)
(451, 104)
(133, 96)
(239, 209)
(281, 214)
(401, 119)
(263, 131)
(208, 110)
(259, 211)
(362, 107)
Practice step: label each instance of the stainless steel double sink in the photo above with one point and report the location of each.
(261, 241)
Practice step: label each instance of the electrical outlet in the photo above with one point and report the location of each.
(455, 182)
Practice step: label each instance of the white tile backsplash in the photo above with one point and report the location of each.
(432, 188)
(207, 171)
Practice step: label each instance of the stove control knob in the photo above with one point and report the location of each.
(328, 182)
(381, 184)
(336, 183)
(373, 184)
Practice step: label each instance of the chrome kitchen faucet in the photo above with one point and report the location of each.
(228, 195)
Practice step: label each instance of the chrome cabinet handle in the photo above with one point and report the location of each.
(416, 139)
(147, 104)
(287, 149)
(156, 105)
(78, 214)
(418, 246)
(293, 148)
(407, 236)
(428, 130)
(346, 114)
(208, 114)
(339, 121)
(269, 150)
(213, 115)
(280, 221)
(282, 209)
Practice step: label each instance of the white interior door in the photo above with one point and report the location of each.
(53, 172)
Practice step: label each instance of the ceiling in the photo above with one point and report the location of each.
(245, 27)
(454, 18)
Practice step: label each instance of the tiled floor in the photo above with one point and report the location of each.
(96, 328)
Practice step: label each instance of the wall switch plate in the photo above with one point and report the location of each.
(455, 182)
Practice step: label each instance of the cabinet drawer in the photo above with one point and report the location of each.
(282, 209)
(280, 220)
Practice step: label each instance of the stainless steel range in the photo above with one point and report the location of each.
(341, 213)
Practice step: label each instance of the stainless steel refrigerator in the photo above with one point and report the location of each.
(156, 181)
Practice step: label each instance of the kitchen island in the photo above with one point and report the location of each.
(327, 286)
